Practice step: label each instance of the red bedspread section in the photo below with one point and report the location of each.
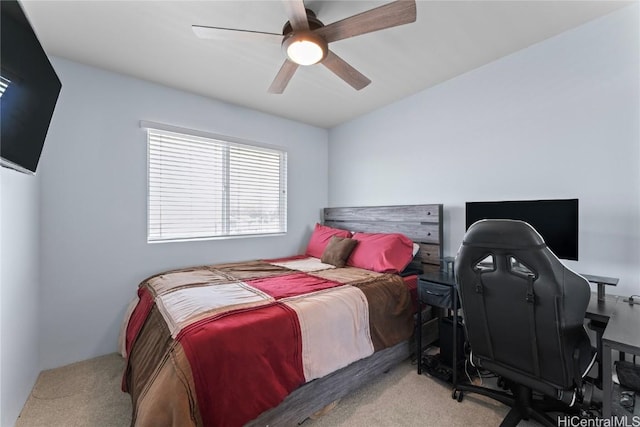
(265, 343)
(291, 285)
(138, 316)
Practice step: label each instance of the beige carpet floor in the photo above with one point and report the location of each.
(88, 394)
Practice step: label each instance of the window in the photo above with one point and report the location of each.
(203, 187)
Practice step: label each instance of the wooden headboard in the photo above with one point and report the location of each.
(420, 223)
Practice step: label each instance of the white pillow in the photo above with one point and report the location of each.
(416, 248)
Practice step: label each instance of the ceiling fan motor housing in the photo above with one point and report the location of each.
(314, 23)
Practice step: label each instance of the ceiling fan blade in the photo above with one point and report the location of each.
(282, 78)
(297, 14)
(389, 15)
(218, 33)
(345, 71)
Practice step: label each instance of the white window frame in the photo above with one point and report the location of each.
(155, 236)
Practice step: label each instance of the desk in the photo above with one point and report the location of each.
(601, 311)
(621, 333)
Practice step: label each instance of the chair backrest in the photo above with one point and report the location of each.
(523, 309)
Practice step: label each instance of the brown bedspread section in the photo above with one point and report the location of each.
(390, 314)
(170, 399)
(346, 274)
(157, 364)
(251, 270)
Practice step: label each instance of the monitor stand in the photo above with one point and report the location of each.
(601, 281)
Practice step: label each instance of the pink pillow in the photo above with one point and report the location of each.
(320, 239)
(381, 252)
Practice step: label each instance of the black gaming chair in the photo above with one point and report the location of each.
(524, 312)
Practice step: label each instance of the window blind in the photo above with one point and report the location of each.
(201, 188)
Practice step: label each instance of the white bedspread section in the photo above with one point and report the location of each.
(184, 306)
(335, 329)
(304, 264)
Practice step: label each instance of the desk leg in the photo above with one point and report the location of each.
(607, 381)
(599, 330)
(600, 292)
(419, 337)
(454, 362)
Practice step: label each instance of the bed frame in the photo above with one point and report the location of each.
(422, 224)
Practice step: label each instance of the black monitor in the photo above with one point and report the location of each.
(29, 89)
(555, 220)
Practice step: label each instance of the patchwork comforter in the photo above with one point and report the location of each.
(218, 345)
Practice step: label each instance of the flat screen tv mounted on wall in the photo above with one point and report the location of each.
(555, 220)
(29, 89)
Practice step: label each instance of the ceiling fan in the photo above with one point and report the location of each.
(305, 39)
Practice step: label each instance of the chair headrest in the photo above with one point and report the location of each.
(503, 234)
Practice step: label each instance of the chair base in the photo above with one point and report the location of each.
(523, 405)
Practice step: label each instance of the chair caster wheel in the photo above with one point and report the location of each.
(457, 395)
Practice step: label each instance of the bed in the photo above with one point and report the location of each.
(270, 342)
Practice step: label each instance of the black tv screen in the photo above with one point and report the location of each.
(555, 220)
(29, 89)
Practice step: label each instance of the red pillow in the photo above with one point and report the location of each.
(381, 252)
(320, 239)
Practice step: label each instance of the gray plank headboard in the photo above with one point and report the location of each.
(420, 223)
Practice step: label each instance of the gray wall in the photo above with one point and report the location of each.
(559, 119)
(93, 201)
(19, 291)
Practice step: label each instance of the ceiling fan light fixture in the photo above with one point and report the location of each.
(304, 52)
(305, 48)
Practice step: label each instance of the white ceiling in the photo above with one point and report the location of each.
(153, 40)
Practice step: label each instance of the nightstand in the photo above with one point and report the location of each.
(438, 289)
